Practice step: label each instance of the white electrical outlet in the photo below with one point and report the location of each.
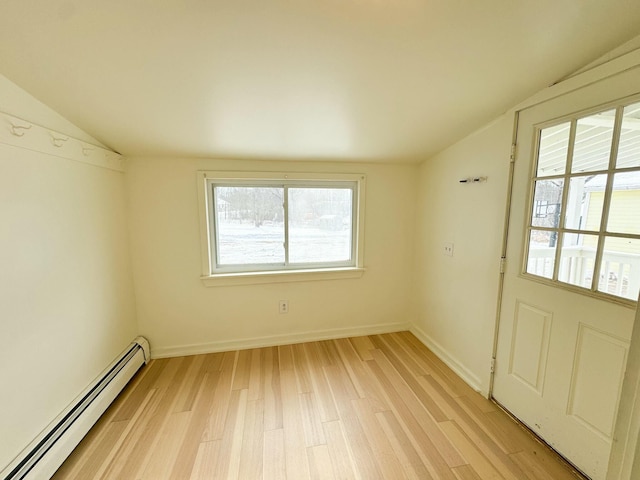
(284, 306)
(448, 249)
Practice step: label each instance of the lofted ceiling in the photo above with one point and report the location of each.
(372, 80)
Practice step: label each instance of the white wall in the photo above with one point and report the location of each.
(455, 297)
(180, 315)
(66, 300)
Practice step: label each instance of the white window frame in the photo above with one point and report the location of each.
(602, 233)
(213, 275)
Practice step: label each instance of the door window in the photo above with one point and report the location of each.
(584, 219)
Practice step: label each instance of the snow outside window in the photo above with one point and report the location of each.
(260, 223)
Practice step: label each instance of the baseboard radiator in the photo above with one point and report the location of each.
(48, 451)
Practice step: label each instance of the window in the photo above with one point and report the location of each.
(270, 225)
(584, 221)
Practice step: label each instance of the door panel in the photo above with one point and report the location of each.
(530, 345)
(596, 381)
(561, 354)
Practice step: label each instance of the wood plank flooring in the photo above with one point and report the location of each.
(376, 407)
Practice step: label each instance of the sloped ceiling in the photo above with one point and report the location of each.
(375, 80)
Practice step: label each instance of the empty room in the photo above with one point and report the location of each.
(324, 239)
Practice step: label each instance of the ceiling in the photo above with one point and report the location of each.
(372, 80)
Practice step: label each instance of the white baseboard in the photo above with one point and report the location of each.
(272, 340)
(463, 372)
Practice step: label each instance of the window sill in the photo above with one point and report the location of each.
(280, 276)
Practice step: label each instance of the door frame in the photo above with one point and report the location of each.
(624, 462)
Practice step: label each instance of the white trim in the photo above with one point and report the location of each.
(273, 340)
(601, 72)
(458, 368)
(24, 134)
(204, 217)
(623, 462)
(561, 229)
(280, 276)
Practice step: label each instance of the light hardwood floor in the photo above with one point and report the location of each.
(377, 407)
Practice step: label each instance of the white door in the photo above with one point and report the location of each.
(572, 268)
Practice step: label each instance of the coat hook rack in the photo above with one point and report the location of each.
(26, 134)
(17, 130)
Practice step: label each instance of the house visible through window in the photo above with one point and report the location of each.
(260, 223)
(584, 227)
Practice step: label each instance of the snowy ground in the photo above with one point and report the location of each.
(242, 244)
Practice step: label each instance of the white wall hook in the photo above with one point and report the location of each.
(17, 130)
(58, 141)
(86, 151)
